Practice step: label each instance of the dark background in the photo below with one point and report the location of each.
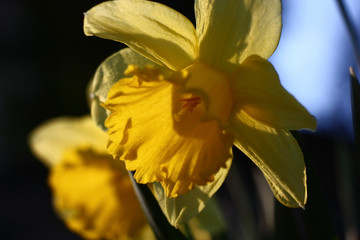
(45, 64)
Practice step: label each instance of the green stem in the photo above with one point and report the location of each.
(355, 104)
(188, 231)
(158, 222)
(351, 28)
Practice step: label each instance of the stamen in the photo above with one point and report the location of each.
(190, 103)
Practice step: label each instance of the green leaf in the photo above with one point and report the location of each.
(182, 208)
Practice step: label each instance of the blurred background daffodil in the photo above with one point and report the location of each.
(92, 192)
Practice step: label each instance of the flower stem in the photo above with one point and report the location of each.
(158, 222)
(355, 104)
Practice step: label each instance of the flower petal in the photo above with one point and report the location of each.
(144, 133)
(182, 208)
(278, 156)
(54, 137)
(152, 29)
(258, 92)
(229, 31)
(107, 74)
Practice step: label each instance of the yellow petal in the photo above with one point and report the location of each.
(278, 156)
(107, 74)
(259, 93)
(182, 208)
(152, 29)
(143, 131)
(94, 196)
(54, 137)
(230, 31)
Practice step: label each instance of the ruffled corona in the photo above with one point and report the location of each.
(94, 196)
(150, 110)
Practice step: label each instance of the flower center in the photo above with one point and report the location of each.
(208, 88)
(190, 103)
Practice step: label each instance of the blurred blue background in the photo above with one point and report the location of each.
(46, 63)
(313, 60)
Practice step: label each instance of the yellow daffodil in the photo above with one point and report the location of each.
(92, 192)
(180, 97)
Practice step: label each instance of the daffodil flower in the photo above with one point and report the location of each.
(183, 96)
(92, 192)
